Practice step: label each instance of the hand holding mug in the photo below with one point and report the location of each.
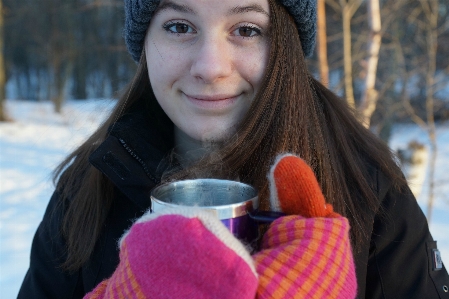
(187, 252)
(308, 253)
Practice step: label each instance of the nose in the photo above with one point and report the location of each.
(213, 60)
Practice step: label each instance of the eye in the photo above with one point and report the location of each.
(247, 31)
(178, 28)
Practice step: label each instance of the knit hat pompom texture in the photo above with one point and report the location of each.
(138, 14)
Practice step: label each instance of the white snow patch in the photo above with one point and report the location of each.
(30, 148)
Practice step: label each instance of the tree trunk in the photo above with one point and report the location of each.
(2, 69)
(370, 96)
(63, 51)
(430, 7)
(322, 43)
(347, 55)
(79, 79)
(62, 75)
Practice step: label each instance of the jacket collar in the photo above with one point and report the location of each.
(131, 155)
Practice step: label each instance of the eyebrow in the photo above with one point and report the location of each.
(177, 7)
(248, 8)
(233, 11)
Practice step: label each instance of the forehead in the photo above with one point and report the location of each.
(227, 7)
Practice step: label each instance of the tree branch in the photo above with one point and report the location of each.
(443, 28)
(334, 5)
(426, 8)
(353, 6)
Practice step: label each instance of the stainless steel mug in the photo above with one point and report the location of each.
(234, 203)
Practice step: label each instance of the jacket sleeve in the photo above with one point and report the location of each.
(45, 278)
(402, 251)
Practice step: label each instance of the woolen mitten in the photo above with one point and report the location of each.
(180, 253)
(294, 189)
(307, 254)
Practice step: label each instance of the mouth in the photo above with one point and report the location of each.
(212, 102)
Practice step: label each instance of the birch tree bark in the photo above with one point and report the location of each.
(370, 95)
(348, 8)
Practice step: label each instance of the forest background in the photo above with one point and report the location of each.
(387, 58)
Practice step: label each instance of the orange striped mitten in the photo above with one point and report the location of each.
(307, 254)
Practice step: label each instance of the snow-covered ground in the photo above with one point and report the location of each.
(38, 139)
(30, 148)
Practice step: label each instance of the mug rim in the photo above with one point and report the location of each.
(226, 211)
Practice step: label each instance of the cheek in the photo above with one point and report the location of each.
(252, 64)
(157, 79)
(160, 79)
(158, 65)
(163, 61)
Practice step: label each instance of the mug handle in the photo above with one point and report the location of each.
(264, 216)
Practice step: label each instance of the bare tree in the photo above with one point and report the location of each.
(322, 42)
(424, 18)
(61, 43)
(348, 9)
(430, 9)
(364, 31)
(370, 95)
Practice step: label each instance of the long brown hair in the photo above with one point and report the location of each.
(293, 113)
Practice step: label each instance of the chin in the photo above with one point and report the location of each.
(211, 136)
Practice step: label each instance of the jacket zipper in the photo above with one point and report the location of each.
(133, 154)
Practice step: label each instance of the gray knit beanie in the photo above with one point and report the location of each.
(138, 14)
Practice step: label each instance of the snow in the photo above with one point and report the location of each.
(30, 148)
(38, 139)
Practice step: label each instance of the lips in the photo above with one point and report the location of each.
(212, 102)
(218, 97)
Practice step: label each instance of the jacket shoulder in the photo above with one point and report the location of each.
(402, 248)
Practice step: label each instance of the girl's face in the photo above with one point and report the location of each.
(206, 61)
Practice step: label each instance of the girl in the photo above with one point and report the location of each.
(222, 86)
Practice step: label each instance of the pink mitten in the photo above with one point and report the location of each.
(180, 253)
(307, 254)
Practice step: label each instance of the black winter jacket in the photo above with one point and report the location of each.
(398, 261)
